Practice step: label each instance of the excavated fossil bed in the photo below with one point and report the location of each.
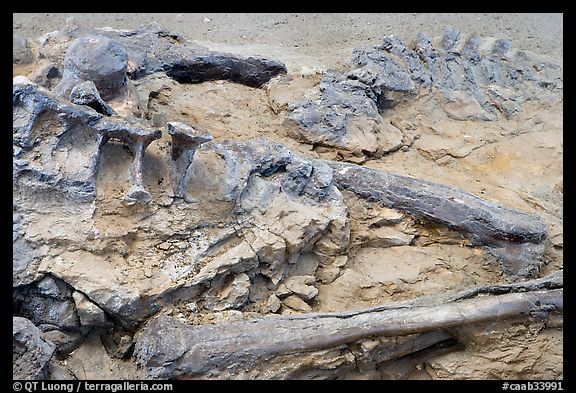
(187, 213)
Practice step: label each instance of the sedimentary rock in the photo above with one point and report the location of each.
(168, 348)
(213, 232)
(483, 222)
(21, 53)
(473, 79)
(31, 354)
(65, 142)
(98, 59)
(151, 49)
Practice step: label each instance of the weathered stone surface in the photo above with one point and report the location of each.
(98, 59)
(474, 79)
(217, 228)
(275, 213)
(167, 347)
(150, 48)
(297, 304)
(60, 144)
(47, 302)
(87, 94)
(230, 295)
(302, 286)
(90, 361)
(88, 313)
(46, 74)
(31, 353)
(273, 304)
(21, 53)
(328, 274)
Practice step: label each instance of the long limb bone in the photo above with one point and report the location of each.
(169, 348)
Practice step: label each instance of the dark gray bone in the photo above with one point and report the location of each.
(30, 352)
(30, 102)
(250, 71)
(137, 138)
(168, 348)
(151, 48)
(185, 141)
(87, 94)
(324, 120)
(508, 231)
(98, 59)
(490, 72)
(483, 221)
(450, 38)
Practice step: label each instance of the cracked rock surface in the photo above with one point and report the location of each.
(186, 213)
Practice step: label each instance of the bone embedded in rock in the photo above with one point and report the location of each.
(95, 58)
(185, 140)
(199, 349)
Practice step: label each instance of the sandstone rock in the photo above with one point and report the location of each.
(31, 353)
(328, 274)
(89, 313)
(340, 261)
(21, 53)
(385, 237)
(302, 286)
(296, 303)
(282, 291)
(46, 74)
(58, 372)
(90, 361)
(272, 305)
(232, 295)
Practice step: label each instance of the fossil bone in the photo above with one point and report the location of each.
(169, 348)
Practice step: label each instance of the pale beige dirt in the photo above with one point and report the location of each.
(315, 40)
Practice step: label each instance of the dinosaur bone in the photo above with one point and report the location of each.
(31, 103)
(98, 59)
(185, 141)
(517, 237)
(487, 76)
(150, 49)
(169, 348)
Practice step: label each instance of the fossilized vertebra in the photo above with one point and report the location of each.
(488, 77)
